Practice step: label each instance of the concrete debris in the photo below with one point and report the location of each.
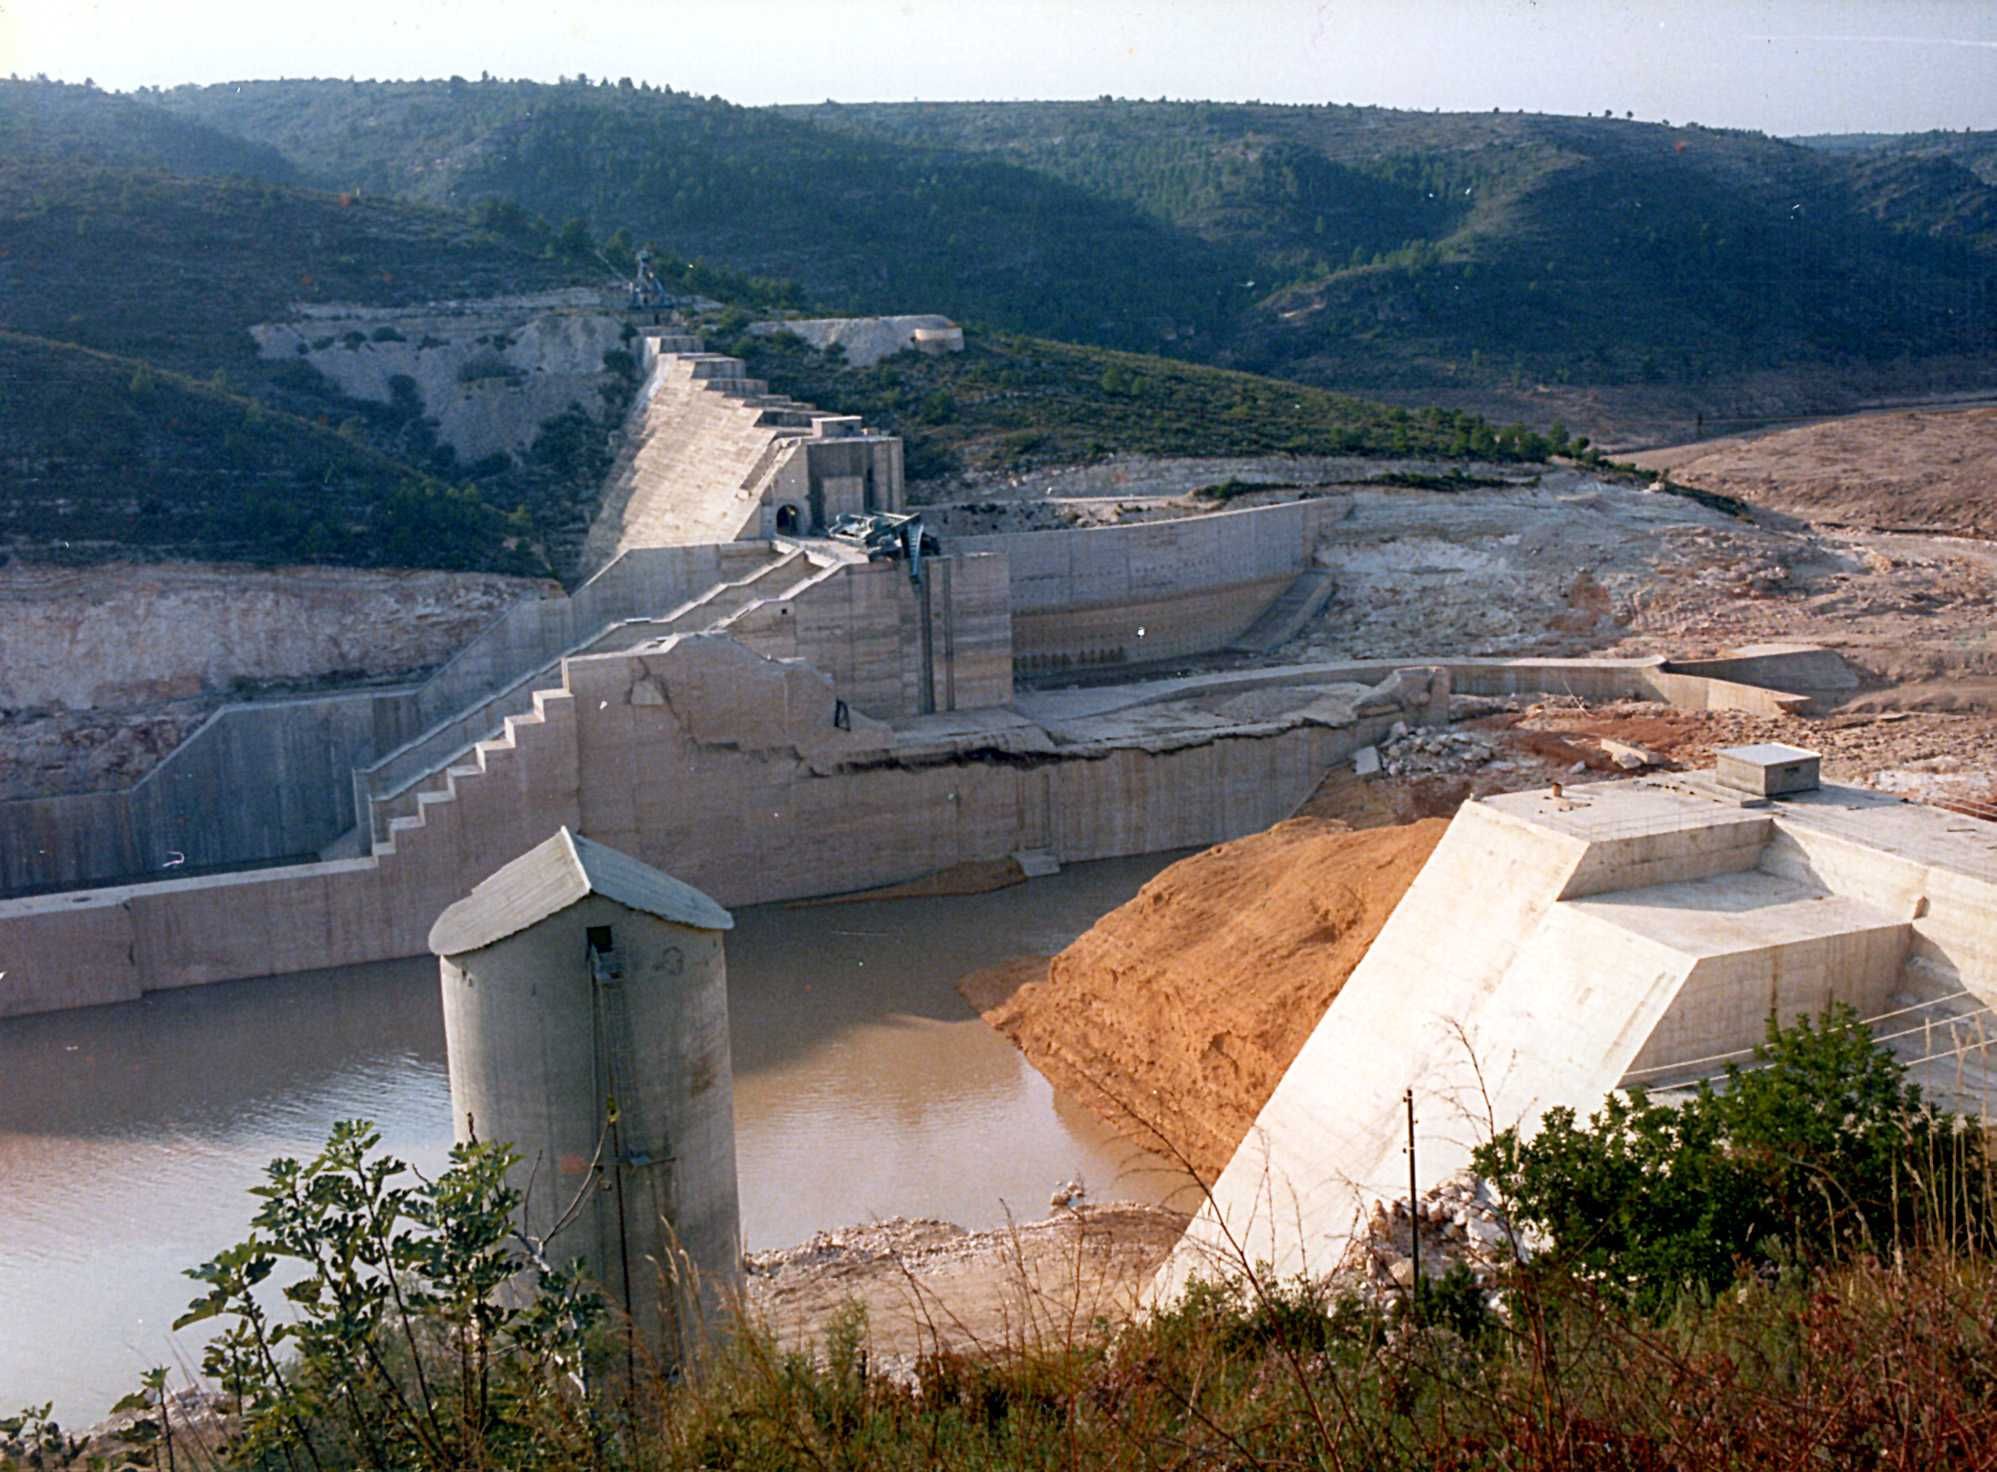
(1462, 1225)
(1629, 758)
(1366, 760)
(1421, 753)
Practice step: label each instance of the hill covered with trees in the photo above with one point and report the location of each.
(104, 456)
(1477, 259)
(1010, 402)
(1352, 247)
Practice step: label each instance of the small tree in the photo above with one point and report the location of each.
(400, 1349)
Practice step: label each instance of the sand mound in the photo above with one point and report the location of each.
(1190, 1001)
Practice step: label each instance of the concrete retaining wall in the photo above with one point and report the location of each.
(255, 784)
(724, 768)
(1620, 679)
(893, 648)
(1192, 585)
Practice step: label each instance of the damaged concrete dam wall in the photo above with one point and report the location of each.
(1076, 599)
(1152, 590)
(247, 758)
(731, 771)
(277, 781)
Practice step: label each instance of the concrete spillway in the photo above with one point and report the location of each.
(1556, 947)
(710, 456)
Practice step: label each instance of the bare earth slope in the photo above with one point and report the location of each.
(1188, 1003)
(1918, 470)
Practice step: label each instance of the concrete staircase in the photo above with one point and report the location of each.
(423, 768)
(1294, 607)
(439, 807)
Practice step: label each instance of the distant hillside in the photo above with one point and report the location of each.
(1475, 258)
(1355, 247)
(80, 124)
(1406, 249)
(176, 268)
(107, 457)
(1011, 402)
(1975, 151)
(865, 224)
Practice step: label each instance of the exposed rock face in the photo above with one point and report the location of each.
(490, 372)
(122, 635)
(867, 340)
(104, 670)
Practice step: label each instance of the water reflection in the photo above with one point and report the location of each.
(864, 1087)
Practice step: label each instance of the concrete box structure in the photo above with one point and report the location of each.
(1770, 769)
(1557, 947)
(586, 1018)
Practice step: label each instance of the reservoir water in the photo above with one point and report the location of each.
(864, 1087)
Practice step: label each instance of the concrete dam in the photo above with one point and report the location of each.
(744, 701)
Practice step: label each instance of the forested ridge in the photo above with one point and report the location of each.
(1348, 246)
(1479, 259)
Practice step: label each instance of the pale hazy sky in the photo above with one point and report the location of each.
(1784, 66)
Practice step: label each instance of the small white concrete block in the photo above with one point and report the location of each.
(1366, 761)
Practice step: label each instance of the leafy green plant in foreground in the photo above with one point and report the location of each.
(1872, 1346)
(405, 1345)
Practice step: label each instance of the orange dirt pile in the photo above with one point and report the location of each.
(1189, 1002)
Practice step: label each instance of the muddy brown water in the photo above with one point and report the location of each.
(864, 1088)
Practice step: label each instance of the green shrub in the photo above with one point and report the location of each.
(1817, 1150)
(400, 1347)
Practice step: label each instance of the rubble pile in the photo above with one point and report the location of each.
(1421, 753)
(1462, 1225)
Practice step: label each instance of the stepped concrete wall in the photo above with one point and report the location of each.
(251, 784)
(701, 757)
(1554, 949)
(710, 455)
(490, 690)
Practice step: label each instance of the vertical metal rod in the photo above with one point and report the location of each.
(1414, 1204)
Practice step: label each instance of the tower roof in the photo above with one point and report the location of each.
(550, 877)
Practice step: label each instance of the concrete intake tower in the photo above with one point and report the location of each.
(586, 1019)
